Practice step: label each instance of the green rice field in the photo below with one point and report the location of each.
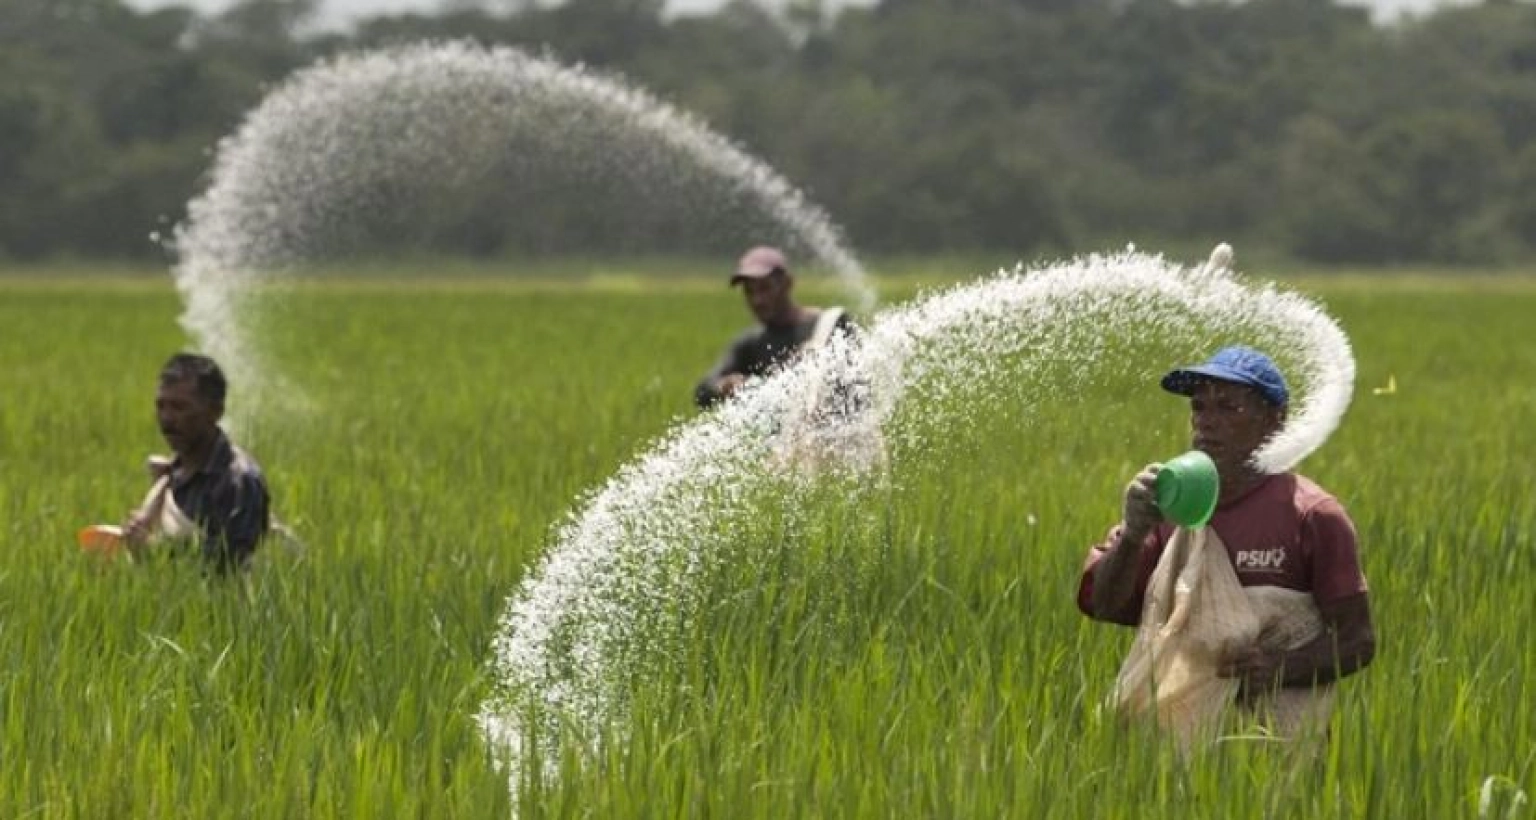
(933, 666)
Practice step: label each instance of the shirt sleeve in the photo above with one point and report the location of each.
(1151, 550)
(238, 522)
(1329, 536)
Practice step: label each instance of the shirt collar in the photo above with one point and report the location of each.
(219, 458)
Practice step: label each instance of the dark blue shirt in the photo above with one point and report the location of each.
(228, 499)
(759, 351)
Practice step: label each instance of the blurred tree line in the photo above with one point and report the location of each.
(1035, 126)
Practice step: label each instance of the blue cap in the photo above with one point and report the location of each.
(1237, 364)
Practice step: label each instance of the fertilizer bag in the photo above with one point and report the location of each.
(1195, 615)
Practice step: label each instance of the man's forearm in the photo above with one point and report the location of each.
(1326, 659)
(1114, 580)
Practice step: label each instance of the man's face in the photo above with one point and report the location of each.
(1229, 421)
(187, 420)
(768, 297)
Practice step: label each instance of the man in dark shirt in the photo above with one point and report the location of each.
(212, 492)
(785, 327)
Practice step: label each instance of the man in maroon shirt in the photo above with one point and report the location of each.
(1279, 529)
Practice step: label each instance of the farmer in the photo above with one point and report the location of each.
(786, 328)
(1278, 530)
(211, 493)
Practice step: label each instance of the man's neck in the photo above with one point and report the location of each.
(1234, 483)
(788, 319)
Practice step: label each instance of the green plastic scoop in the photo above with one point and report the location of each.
(1187, 487)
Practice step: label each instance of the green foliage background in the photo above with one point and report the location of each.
(922, 126)
(931, 666)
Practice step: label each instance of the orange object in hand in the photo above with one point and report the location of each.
(102, 539)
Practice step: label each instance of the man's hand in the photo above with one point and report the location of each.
(1345, 646)
(136, 529)
(158, 467)
(1141, 513)
(728, 384)
(1258, 672)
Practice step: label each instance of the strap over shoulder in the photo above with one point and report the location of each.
(826, 322)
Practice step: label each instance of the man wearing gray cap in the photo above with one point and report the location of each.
(785, 327)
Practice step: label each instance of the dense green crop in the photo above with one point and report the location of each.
(914, 653)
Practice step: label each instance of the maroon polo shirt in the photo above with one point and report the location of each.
(1284, 531)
